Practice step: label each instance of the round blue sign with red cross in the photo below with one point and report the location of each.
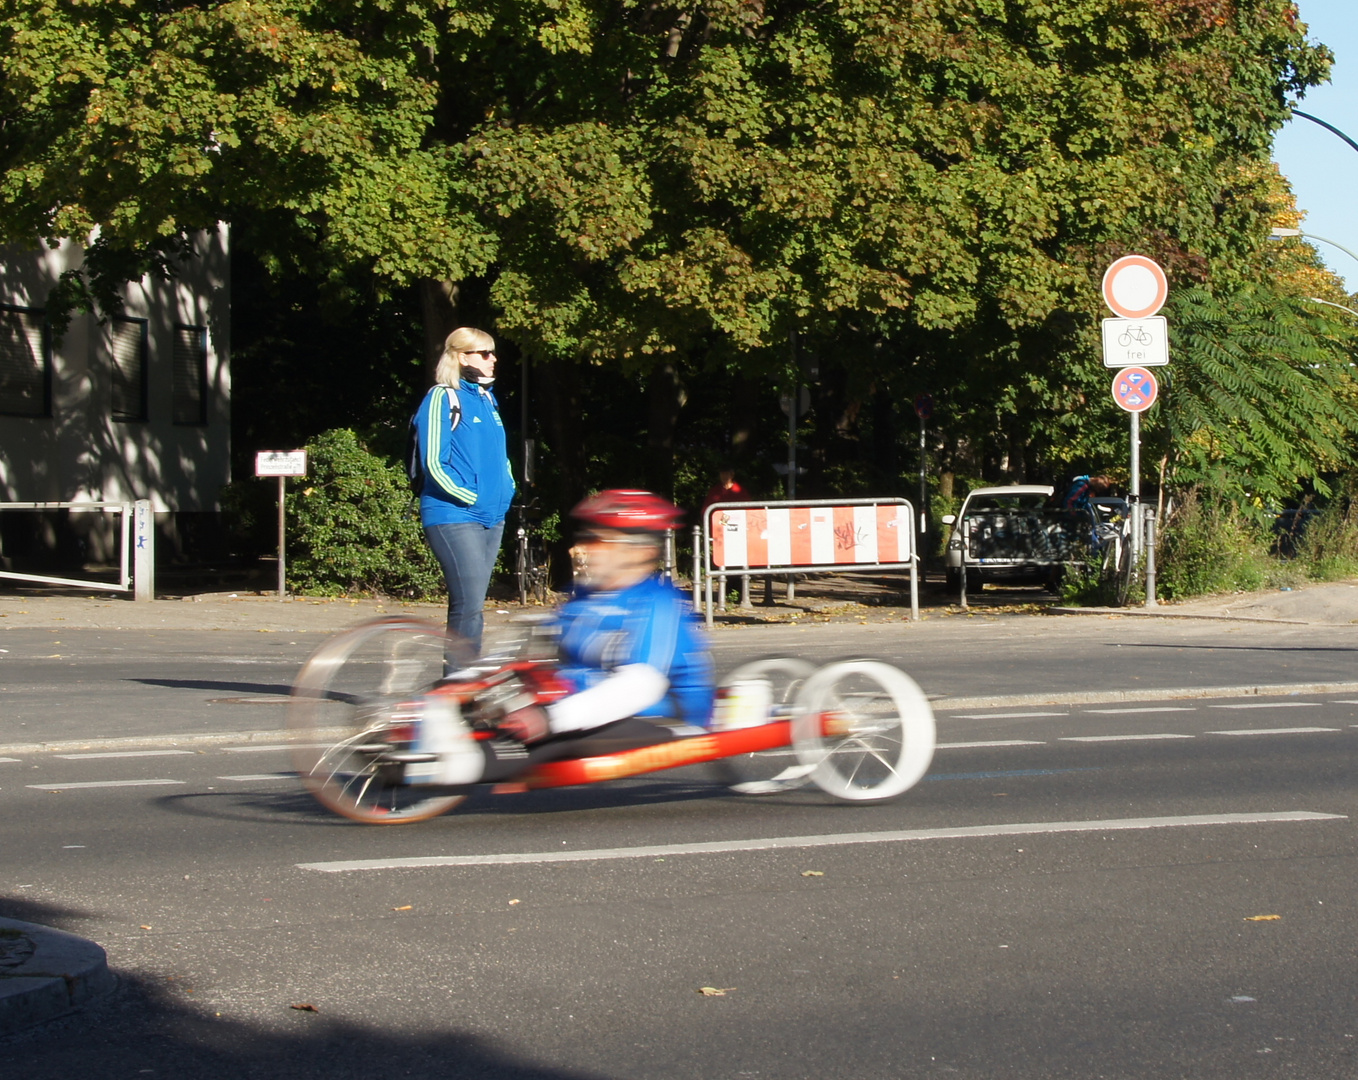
(1134, 389)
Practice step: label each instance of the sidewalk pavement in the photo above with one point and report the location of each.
(825, 599)
(46, 973)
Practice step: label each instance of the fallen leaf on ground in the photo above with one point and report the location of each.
(146, 926)
(403, 907)
(513, 901)
(813, 873)
(306, 1006)
(1262, 918)
(712, 991)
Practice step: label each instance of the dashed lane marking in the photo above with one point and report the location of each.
(830, 840)
(103, 783)
(124, 753)
(993, 742)
(248, 777)
(1006, 715)
(1269, 705)
(1147, 709)
(1004, 774)
(1119, 738)
(1277, 731)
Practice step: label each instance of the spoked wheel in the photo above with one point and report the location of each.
(346, 712)
(1117, 567)
(768, 772)
(864, 729)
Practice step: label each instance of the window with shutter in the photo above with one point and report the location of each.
(129, 351)
(25, 363)
(190, 374)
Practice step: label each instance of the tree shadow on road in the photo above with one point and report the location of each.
(143, 1031)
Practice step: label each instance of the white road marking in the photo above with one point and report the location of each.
(830, 840)
(1345, 702)
(1118, 738)
(1269, 705)
(247, 777)
(1276, 731)
(103, 783)
(8, 759)
(276, 746)
(123, 753)
(995, 742)
(1148, 709)
(1005, 715)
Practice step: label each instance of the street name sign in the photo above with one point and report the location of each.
(1135, 389)
(1135, 342)
(280, 463)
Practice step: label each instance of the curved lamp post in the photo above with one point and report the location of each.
(1331, 303)
(1326, 126)
(1278, 234)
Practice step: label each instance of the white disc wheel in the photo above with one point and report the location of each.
(346, 717)
(864, 730)
(767, 772)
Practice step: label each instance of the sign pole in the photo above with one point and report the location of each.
(1134, 487)
(283, 535)
(923, 483)
(282, 464)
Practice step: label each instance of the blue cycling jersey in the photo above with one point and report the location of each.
(646, 623)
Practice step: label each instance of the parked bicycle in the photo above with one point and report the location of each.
(532, 564)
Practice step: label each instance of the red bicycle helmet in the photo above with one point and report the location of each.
(628, 511)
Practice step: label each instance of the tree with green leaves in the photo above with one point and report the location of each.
(924, 192)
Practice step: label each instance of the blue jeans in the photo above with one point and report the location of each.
(466, 551)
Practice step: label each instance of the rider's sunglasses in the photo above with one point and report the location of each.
(484, 354)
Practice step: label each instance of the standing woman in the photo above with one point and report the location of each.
(467, 482)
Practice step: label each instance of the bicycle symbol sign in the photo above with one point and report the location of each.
(1135, 389)
(1135, 342)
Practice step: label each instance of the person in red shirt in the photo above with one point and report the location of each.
(725, 489)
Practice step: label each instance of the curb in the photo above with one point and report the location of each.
(1161, 613)
(46, 973)
(1105, 697)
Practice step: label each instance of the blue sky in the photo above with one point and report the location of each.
(1323, 169)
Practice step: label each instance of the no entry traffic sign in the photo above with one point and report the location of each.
(1135, 287)
(1135, 389)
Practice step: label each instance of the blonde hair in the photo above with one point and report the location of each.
(464, 339)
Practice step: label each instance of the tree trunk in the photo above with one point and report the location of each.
(438, 306)
(664, 398)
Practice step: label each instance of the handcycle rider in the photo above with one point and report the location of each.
(632, 651)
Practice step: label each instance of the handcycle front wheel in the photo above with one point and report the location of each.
(864, 730)
(767, 772)
(345, 703)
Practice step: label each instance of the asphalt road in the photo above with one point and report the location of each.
(1073, 891)
(72, 684)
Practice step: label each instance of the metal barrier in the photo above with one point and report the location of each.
(810, 536)
(136, 571)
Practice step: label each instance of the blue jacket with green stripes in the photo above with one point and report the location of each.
(466, 469)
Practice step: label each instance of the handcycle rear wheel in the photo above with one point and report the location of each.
(344, 704)
(864, 730)
(768, 772)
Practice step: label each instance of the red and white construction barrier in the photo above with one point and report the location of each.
(803, 537)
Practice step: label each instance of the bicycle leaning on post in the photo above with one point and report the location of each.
(1113, 545)
(532, 566)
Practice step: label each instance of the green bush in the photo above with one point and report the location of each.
(1328, 546)
(353, 526)
(1209, 546)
